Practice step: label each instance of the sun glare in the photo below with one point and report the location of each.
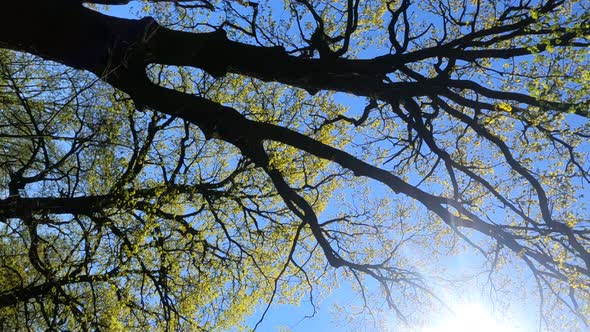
(468, 318)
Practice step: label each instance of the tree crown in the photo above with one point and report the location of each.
(188, 168)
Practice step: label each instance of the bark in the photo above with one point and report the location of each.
(15, 206)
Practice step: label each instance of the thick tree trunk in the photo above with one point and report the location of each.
(68, 33)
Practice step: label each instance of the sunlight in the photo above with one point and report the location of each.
(470, 317)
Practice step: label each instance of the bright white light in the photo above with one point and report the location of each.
(468, 318)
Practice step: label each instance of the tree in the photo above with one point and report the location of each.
(182, 169)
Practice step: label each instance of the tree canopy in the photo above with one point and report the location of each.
(192, 164)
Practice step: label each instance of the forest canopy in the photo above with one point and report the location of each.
(191, 164)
